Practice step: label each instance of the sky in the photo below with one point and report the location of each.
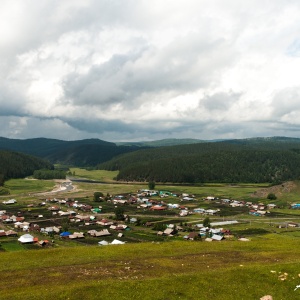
(140, 70)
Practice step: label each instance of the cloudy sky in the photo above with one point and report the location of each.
(133, 70)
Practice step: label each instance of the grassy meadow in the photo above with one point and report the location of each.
(174, 270)
(99, 175)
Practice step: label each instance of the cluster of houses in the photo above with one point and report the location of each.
(199, 233)
(255, 209)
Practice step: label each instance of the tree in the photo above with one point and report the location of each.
(98, 196)
(1, 179)
(159, 227)
(151, 185)
(271, 196)
(206, 222)
(119, 213)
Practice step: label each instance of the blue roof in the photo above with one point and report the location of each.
(65, 233)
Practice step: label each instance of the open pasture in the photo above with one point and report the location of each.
(175, 270)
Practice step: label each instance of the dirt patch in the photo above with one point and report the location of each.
(276, 189)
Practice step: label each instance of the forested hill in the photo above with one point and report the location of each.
(82, 153)
(252, 160)
(19, 165)
(163, 143)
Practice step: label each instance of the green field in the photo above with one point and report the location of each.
(99, 175)
(25, 186)
(174, 270)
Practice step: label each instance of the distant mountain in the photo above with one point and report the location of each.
(82, 153)
(162, 143)
(94, 152)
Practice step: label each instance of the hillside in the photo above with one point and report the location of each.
(16, 165)
(176, 270)
(255, 160)
(89, 152)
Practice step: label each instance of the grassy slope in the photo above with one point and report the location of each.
(177, 270)
(21, 186)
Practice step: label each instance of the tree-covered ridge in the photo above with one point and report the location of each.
(162, 143)
(17, 165)
(81, 153)
(264, 161)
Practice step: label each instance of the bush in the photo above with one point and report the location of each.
(151, 185)
(271, 196)
(98, 196)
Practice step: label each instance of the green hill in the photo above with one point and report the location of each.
(253, 160)
(88, 152)
(17, 165)
(176, 270)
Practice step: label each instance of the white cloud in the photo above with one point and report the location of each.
(136, 70)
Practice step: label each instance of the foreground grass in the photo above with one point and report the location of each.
(175, 270)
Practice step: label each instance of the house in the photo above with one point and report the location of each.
(169, 231)
(103, 243)
(199, 210)
(43, 242)
(26, 238)
(158, 207)
(192, 236)
(11, 233)
(211, 211)
(217, 237)
(295, 206)
(183, 213)
(105, 222)
(133, 220)
(76, 235)
(11, 201)
(187, 199)
(117, 242)
(65, 234)
(170, 205)
(96, 233)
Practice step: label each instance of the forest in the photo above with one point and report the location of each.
(233, 161)
(80, 153)
(19, 165)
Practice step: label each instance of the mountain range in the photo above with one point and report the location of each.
(270, 159)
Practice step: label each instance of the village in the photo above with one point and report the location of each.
(147, 215)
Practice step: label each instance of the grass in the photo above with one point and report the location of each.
(11, 246)
(99, 175)
(25, 186)
(174, 270)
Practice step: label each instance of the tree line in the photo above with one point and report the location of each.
(49, 174)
